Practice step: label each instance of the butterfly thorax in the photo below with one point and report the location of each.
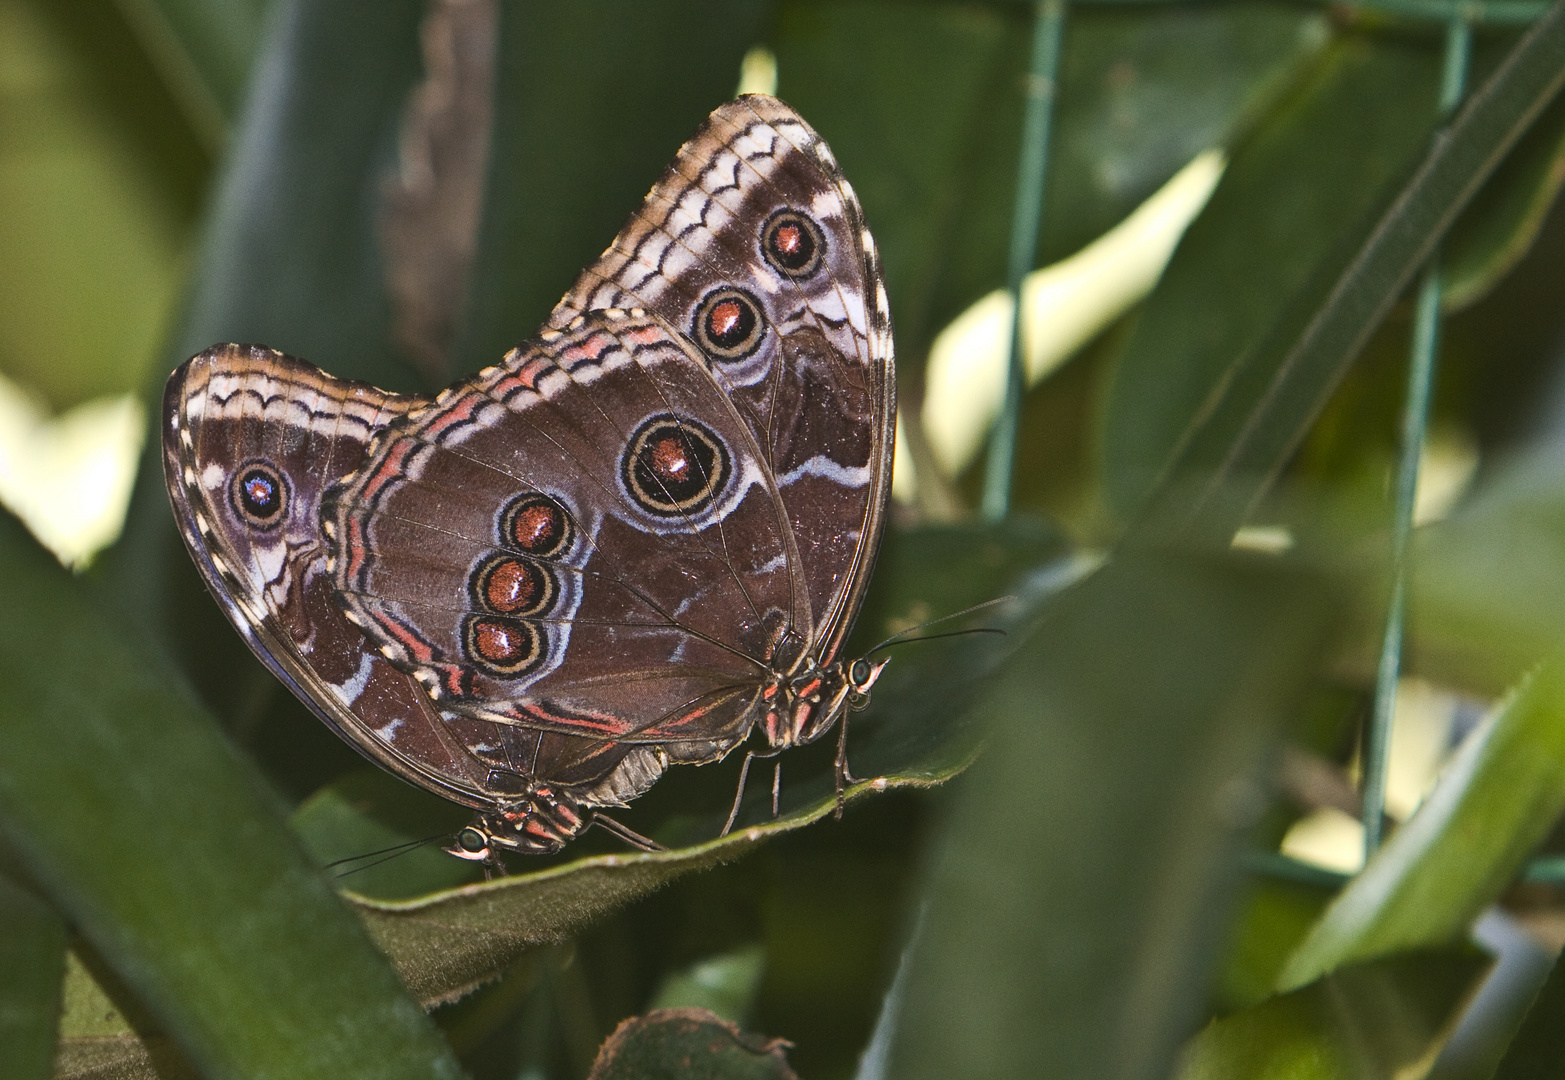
(804, 705)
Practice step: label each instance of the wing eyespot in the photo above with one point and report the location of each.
(503, 646)
(502, 584)
(793, 244)
(259, 494)
(538, 525)
(729, 324)
(675, 465)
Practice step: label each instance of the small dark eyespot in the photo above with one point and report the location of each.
(536, 524)
(792, 244)
(503, 646)
(674, 465)
(729, 324)
(259, 494)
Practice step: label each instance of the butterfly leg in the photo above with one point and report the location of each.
(744, 776)
(776, 786)
(625, 833)
(844, 776)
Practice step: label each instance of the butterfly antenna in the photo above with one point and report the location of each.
(901, 636)
(383, 855)
(943, 634)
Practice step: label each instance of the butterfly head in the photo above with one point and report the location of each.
(540, 824)
(810, 703)
(862, 674)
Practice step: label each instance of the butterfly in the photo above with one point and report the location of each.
(639, 539)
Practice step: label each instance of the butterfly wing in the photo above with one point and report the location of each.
(251, 438)
(583, 541)
(754, 245)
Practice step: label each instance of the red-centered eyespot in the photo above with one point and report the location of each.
(727, 321)
(259, 494)
(507, 585)
(536, 524)
(793, 244)
(502, 646)
(674, 465)
(729, 324)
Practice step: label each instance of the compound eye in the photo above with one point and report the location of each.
(472, 844)
(859, 673)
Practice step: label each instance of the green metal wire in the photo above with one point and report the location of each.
(1275, 864)
(1473, 12)
(1031, 174)
(1469, 12)
(1415, 420)
(1544, 870)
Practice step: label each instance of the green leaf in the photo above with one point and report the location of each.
(1085, 871)
(1496, 800)
(592, 101)
(357, 827)
(290, 256)
(103, 188)
(1487, 585)
(1499, 228)
(204, 52)
(1297, 190)
(1274, 918)
(724, 984)
(1538, 1048)
(922, 105)
(446, 943)
(1384, 1018)
(689, 1044)
(32, 967)
(170, 856)
(1270, 397)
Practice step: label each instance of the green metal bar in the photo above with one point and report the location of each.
(1415, 421)
(1031, 174)
(1470, 12)
(1544, 870)
(1473, 12)
(1275, 864)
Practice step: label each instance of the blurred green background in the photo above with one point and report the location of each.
(1121, 840)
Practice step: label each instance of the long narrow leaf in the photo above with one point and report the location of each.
(170, 855)
(1271, 400)
(1496, 800)
(32, 967)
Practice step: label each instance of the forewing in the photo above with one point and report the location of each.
(581, 541)
(754, 245)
